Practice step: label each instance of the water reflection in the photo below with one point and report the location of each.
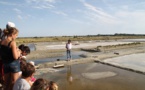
(72, 79)
(69, 74)
(75, 55)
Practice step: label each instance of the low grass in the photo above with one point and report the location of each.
(73, 38)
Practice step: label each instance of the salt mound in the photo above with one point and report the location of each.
(98, 75)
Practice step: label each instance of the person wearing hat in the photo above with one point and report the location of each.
(10, 25)
(10, 55)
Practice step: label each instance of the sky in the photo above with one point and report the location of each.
(36, 18)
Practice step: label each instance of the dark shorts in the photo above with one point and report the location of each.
(12, 67)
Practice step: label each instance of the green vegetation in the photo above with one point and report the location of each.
(119, 46)
(112, 47)
(79, 38)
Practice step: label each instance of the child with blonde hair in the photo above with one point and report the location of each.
(53, 86)
(40, 84)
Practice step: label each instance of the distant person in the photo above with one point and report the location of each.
(68, 50)
(10, 55)
(40, 84)
(23, 83)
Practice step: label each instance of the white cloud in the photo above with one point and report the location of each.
(98, 15)
(17, 10)
(97, 10)
(78, 21)
(125, 7)
(20, 17)
(60, 13)
(41, 4)
(52, 1)
(7, 3)
(38, 1)
(132, 16)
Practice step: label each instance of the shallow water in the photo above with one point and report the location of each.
(94, 76)
(32, 46)
(72, 78)
(75, 55)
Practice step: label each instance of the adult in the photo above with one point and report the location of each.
(0, 33)
(1, 65)
(68, 50)
(10, 55)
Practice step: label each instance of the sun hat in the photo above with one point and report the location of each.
(10, 25)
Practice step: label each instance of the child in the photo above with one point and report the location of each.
(33, 78)
(53, 86)
(23, 64)
(25, 50)
(40, 84)
(23, 83)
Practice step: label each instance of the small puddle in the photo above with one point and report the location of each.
(75, 55)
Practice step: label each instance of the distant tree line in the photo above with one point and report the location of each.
(121, 34)
(76, 36)
(116, 34)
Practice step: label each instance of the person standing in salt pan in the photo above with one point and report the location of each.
(68, 49)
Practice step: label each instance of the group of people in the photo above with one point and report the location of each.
(15, 72)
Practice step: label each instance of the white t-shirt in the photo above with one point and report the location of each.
(21, 84)
(68, 46)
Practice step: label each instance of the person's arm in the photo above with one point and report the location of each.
(66, 46)
(71, 45)
(16, 52)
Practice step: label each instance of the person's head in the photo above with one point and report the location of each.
(33, 63)
(28, 71)
(23, 64)
(11, 32)
(25, 49)
(40, 84)
(69, 41)
(53, 86)
(10, 25)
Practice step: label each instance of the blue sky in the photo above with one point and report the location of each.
(73, 17)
